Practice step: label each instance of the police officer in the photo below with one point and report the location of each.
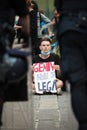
(72, 36)
(8, 10)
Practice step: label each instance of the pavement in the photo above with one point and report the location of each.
(41, 112)
(54, 112)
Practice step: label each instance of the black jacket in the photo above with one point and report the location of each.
(70, 5)
(10, 8)
(17, 90)
(71, 13)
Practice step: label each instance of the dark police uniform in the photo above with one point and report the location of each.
(9, 8)
(18, 90)
(72, 36)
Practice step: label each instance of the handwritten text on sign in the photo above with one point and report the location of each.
(44, 77)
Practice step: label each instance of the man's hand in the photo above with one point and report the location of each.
(16, 27)
(57, 67)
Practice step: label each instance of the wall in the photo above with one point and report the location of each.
(47, 5)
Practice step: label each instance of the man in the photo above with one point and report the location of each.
(72, 36)
(8, 10)
(46, 56)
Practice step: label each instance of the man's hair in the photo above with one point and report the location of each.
(45, 39)
(35, 5)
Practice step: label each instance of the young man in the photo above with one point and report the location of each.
(46, 56)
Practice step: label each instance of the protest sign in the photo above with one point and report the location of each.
(44, 77)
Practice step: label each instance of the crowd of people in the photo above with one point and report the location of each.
(40, 27)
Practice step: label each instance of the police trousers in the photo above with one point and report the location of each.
(73, 49)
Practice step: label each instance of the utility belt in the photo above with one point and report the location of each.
(81, 16)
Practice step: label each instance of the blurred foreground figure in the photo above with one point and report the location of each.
(72, 37)
(13, 64)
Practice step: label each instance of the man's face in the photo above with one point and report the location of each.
(45, 46)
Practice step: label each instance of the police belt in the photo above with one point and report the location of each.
(81, 16)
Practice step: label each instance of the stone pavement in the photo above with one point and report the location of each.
(41, 112)
(52, 112)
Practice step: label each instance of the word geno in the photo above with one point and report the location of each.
(44, 66)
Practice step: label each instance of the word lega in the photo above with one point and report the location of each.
(46, 86)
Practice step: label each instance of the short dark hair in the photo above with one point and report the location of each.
(35, 5)
(45, 39)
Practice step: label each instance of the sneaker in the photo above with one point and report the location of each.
(33, 91)
(59, 91)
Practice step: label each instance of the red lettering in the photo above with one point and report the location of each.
(35, 66)
(45, 66)
(41, 67)
(52, 65)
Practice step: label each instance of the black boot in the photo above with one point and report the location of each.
(1, 109)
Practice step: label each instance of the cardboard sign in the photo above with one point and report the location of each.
(44, 77)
